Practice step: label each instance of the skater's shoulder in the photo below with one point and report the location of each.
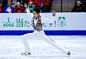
(43, 17)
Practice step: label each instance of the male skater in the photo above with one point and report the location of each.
(38, 31)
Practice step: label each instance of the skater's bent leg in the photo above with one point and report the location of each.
(24, 37)
(27, 48)
(50, 41)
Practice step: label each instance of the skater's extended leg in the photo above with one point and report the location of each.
(50, 41)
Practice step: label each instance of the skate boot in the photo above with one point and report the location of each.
(68, 53)
(25, 53)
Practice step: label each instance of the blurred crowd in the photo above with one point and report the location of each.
(17, 6)
(80, 6)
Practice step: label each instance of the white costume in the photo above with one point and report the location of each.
(40, 35)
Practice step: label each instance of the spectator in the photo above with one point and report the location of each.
(83, 2)
(4, 3)
(18, 9)
(14, 3)
(78, 7)
(42, 8)
(45, 2)
(9, 8)
(30, 1)
(84, 8)
(22, 2)
(35, 2)
(0, 7)
(30, 7)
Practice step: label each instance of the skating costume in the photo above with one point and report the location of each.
(39, 33)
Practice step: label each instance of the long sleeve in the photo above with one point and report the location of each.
(5, 9)
(22, 10)
(15, 10)
(12, 10)
(25, 10)
(45, 20)
(28, 12)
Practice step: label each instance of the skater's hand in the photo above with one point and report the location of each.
(19, 11)
(54, 13)
(25, 5)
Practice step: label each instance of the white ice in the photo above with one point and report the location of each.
(11, 48)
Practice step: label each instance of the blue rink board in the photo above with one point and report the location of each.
(47, 32)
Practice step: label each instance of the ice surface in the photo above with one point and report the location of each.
(11, 48)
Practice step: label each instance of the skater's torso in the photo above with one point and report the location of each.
(37, 25)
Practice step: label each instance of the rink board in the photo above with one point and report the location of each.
(64, 24)
(59, 32)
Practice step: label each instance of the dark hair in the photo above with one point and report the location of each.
(37, 10)
(41, 3)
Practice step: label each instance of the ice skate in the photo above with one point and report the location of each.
(25, 53)
(68, 52)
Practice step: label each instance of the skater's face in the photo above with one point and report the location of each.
(35, 14)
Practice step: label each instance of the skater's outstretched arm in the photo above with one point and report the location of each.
(46, 20)
(28, 11)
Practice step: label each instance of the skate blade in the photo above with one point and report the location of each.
(25, 53)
